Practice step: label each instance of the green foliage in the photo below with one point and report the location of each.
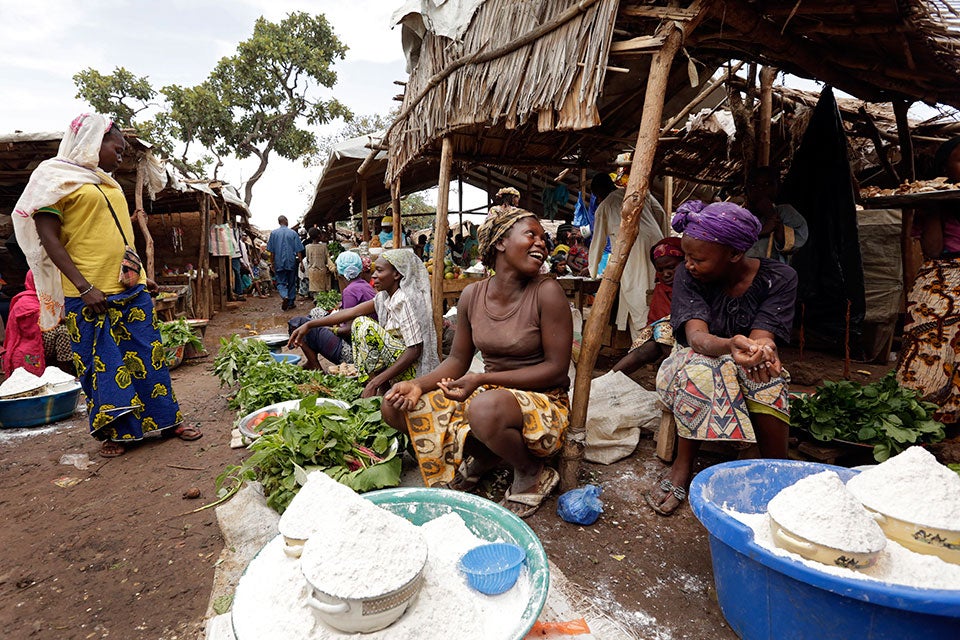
(883, 413)
(335, 249)
(121, 95)
(353, 446)
(179, 333)
(328, 300)
(359, 125)
(267, 382)
(237, 355)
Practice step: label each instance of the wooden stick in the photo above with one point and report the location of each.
(440, 237)
(364, 212)
(637, 188)
(707, 90)
(395, 196)
(874, 133)
(846, 344)
(667, 205)
(767, 75)
(142, 218)
(907, 169)
(203, 267)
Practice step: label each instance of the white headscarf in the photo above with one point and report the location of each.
(415, 284)
(74, 165)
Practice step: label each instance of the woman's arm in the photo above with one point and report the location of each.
(931, 234)
(409, 356)
(556, 326)
(48, 228)
(344, 315)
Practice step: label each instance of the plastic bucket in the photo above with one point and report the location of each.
(763, 595)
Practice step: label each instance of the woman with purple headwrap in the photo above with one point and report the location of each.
(725, 380)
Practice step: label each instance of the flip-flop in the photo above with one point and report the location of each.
(111, 449)
(466, 477)
(188, 433)
(666, 487)
(547, 481)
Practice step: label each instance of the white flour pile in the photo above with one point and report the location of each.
(20, 381)
(321, 501)
(270, 601)
(911, 486)
(820, 509)
(895, 564)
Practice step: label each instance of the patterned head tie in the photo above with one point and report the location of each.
(494, 228)
(721, 222)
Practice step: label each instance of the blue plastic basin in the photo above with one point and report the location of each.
(286, 358)
(763, 595)
(38, 410)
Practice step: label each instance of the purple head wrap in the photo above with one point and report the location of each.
(721, 222)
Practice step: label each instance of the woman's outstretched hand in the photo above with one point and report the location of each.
(403, 395)
(759, 358)
(461, 388)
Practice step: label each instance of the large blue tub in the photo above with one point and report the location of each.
(763, 595)
(39, 410)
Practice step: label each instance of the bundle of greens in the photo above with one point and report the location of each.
(178, 333)
(327, 300)
(266, 383)
(883, 414)
(236, 355)
(353, 445)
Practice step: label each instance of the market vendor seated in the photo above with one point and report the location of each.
(655, 340)
(726, 382)
(462, 424)
(402, 342)
(333, 343)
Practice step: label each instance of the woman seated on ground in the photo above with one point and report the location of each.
(25, 344)
(403, 344)
(929, 356)
(656, 339)
(726, 382)
(334, 343)
(462, 424)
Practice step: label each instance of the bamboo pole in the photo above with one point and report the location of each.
(142, 220)
(395, 197)
(637, 188)
(364, 215)
(767, 75)
(440, 238)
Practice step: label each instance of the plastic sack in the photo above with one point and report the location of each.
(581, 505)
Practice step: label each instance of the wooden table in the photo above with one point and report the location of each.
(576, 289)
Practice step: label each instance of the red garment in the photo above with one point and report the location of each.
(23, 341)
(660, 302)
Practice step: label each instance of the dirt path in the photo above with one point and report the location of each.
(118, 554)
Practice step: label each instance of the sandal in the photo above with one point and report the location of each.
(466, 477)
(546, 483)
(111, 449)
(668, 488)
(188, 433)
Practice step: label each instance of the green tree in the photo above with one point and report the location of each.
(355, 127)
(270, 87)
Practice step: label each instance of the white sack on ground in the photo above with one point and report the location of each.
(618, 409)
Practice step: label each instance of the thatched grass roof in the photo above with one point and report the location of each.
(573, 95)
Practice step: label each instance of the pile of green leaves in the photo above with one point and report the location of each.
(327, 300)
(237, 355)
(882, 413)
(266, 383)
(176, 333)
(352, 445)
(335, 249)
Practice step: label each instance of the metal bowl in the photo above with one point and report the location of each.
(274, 341)
(245, 424)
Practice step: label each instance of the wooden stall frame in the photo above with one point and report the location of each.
(440, 238)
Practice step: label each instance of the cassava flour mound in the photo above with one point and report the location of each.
(320, 501)
(820, 509)
(911, 486)
(20, 382)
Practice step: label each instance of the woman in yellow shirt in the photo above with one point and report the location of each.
(73, 225)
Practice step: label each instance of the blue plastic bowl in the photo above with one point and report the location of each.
(763, 595)
(286, 358)
(493, 568)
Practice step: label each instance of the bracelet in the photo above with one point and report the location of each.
(89, 289)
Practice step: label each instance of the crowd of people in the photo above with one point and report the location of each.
(712, 302)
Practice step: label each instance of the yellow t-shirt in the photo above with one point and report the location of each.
(91, 238)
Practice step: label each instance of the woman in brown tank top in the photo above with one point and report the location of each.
(462, 424)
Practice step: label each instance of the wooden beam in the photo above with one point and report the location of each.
(204, 286)
(907, 169)
(395, 197)
(364, 212)
(141, 216)
(641, 43)
(767, 75)
(701, 96)
(637, 188)
(440, 238)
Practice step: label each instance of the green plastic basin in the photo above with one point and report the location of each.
(487, 520)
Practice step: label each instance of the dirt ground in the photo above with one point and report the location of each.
(115, 551)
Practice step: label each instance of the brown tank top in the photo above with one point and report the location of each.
(512, 340)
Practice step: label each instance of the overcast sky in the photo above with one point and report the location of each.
(43, 43)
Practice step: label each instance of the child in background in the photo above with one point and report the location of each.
(656, 339)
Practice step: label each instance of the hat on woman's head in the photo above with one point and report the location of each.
(349, 264)
(508, 191)
(494, 228)
(721, 222)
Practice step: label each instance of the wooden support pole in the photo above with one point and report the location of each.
(204, 293)
(142, 219)
(907, 169)
(440, 238)
(767, 76)
(667, 205)
(364, 214)
(395, 196)
(637, 188)
(460, 201)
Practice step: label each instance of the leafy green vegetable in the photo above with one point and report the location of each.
(955, 468)
(328, 300)
(236, 355)
(352, 445)
(883, 413)
(266, 383)
(176, 333)
(335, 249)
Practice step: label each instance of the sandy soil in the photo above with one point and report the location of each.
(121, 554)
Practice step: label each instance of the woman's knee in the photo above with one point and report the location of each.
(492, 411)
(394, 417)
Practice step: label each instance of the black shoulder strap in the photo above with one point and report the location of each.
(114, 214)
